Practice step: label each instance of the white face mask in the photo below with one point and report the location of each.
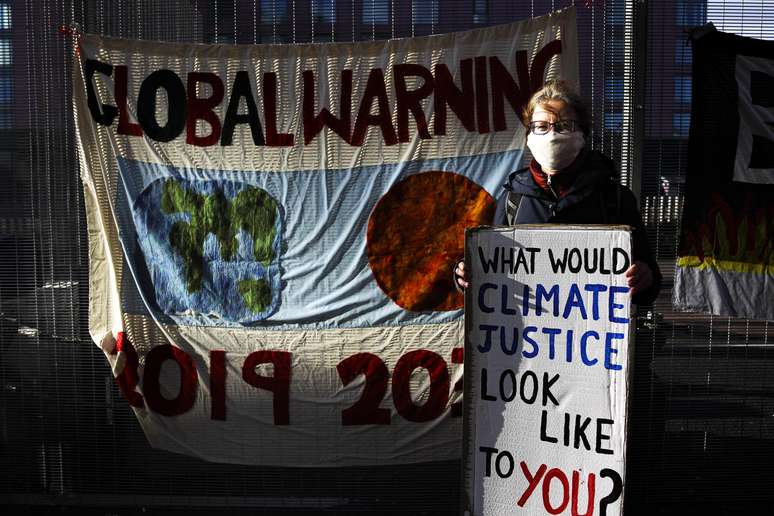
(555, 151)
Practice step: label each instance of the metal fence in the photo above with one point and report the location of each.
(702, 433)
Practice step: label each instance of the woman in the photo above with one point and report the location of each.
(567, 183)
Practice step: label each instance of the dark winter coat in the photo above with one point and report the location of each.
(595, 197)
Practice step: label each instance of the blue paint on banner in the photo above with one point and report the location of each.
(319, 277)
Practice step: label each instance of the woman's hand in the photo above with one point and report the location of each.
(459, 276)
(639, 277)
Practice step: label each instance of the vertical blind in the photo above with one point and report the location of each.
(701, 425)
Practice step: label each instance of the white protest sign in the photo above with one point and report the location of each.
(546, 380)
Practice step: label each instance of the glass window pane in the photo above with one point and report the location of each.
(683, 55)
(273, 11)
(425, 11)
(614, 121)
(614, 52)
(690, 13)
(480, 11)
(227, 39)
(751, 19)
(5, 51)
(680, 124)
(615, 13)
(5, 90)
(683, 89)
(324, 11)
(614, 88)
(376, 11)
(5, 16)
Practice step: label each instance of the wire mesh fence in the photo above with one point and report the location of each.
(703, 399)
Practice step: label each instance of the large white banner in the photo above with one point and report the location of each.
(547, 362)
(273, 229)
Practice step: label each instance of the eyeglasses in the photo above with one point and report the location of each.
(542, 127)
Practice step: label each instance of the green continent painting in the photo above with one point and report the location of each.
(225, 237)
(253, 211)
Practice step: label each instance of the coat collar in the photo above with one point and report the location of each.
(593, 168)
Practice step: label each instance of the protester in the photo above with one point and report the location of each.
(568, 183)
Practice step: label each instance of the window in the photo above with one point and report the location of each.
(683, 54)
(615, 13)
(480, 11)
(227, 39)
(615, 50)
(324, 11)
(5, 16)
(614, 88)
(680, 124)
(6, 91)
(376, 11)
(273, 11)
(690, 13)
(751, 19)
(425, 11)
(683, 89)
(5, 52)
(614, 121)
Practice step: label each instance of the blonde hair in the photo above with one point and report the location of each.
(559, 90)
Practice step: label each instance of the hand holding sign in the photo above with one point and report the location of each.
(639, 277)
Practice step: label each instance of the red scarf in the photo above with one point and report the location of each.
(561, 181)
